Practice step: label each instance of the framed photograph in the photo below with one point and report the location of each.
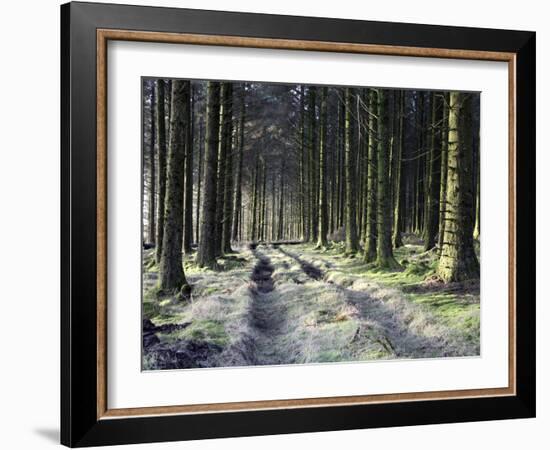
(276, 224)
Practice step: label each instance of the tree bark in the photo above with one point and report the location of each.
(397, 215)
(312, 165)
(172, 276)
(458, 261)
(225, 94)
(152, 175)
(352, 243)
(385, 257)
(228, 180)
(323, 213)
(188, 212)
(206, 256)
(199, 183)
(433, 188)
(237, 218)
(371, 231)
(444, 160)
(160, 124)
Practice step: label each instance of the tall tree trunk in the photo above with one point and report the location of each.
(281, 197)
(264, 203)
(323, 213)
(228, 187)
(237, 218)
(433, 181)
(199, 184)
(254, 235)
(477, 226)
(303, 170)
(397, 215)
(172, 276)
(225, 117)
(458, 261)
(152, 175)
(352, 243)
(161, 139)
(342, 151)
(385, 257)
(188, 213)
(444, 159)
(312, 164)
(206, 256)
(372, 174)
(273, 230)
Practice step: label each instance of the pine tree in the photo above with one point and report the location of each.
(206, 256)
(443, 177)
(352, 242)
(458, 260)
(384, 257)
(152, 175)
(398, 190)
(172, 276)
(372, 174)
(188, 201)
(227, 217)
(160, 124)
(432, 184)
(323, 214)
(237, 217)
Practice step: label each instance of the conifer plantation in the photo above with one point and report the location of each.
(294, 224)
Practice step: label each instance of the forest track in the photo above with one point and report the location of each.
(309, 269)
(391, 314)
(268, 315)
(383, 318)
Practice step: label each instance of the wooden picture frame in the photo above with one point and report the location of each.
(86, 418)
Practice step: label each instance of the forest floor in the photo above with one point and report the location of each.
(294, 304)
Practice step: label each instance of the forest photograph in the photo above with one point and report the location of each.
(301, 224)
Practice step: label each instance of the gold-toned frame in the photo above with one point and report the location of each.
(103, 36)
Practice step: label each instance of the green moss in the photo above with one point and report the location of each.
(150, 309)
(210, 290)
(329, 356)
(454, 310)
(209, 331)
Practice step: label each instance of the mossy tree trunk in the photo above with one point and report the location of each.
(280, 225)
(477, 226)
(188, 212)
(303, 170)
(458, 261)
(313, 168)
(323, 213)
(160, 124)
(384, 257)
(225, 117)
(152, 176)
(352, 242)
(444, 165)
(172, 276)
(237, 218)
(200, 151)
(206, 256)
(432, 183)
(398, 190)
(254, 235)
(370, 232)
(228, 180)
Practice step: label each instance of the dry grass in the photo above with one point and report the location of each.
(352, 313)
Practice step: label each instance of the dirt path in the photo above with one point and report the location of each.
(309, 269)
(280, 308)
(405, 331)
(268, 315)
